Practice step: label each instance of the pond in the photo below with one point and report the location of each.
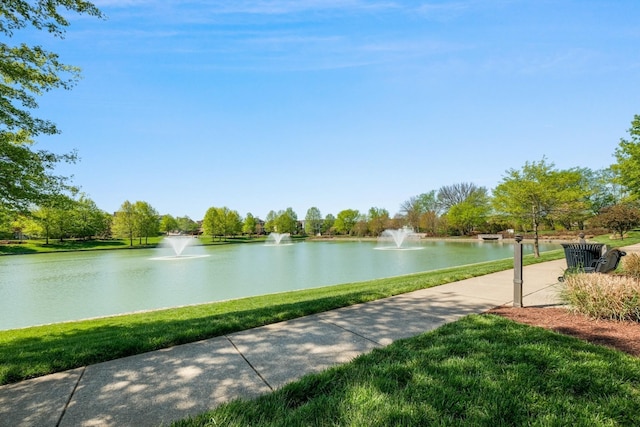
(56, 287)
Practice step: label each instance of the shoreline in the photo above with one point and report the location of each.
(565, 238)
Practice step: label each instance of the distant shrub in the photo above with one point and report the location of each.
(631, 265)
(604, 296)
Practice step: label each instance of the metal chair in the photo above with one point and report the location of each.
(609, 261)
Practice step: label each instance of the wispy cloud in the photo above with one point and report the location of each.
(121, 3)
(274, 34)
(446, 10)
(270, 7)
(281, 35)
(281, 7)
(563, 61)
(175, 13)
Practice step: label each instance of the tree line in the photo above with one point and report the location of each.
(534, 197)
(36, 202)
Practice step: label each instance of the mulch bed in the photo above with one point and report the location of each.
(623, 336)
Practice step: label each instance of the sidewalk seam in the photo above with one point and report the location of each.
(66, 405)
(249, 363)
(351, 332)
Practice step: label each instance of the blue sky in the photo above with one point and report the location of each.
(338, 104)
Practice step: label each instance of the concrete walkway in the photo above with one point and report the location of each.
(166, 385)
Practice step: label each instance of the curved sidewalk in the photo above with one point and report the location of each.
(166, 385)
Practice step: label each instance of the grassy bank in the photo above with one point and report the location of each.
(26, 247)
(480, 371)
(36, 351)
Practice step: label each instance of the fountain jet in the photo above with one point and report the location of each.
(396, 239)
(178, 243)
(278, 239)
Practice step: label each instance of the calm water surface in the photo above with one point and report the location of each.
(49, 288)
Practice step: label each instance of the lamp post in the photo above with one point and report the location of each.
(517, 272)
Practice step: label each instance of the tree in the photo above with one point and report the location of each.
(327, 224)
(64, 217)
(25, 72)
(147, 221)
(32, 227)
(346, 220)
(30, 71)
(573, 204)
(470, 213)
(213, 223)
(270, 222)
(451, 195)
(124, 222)
(45, 218)
(417, 207)
(287, 222)
(604, 189)
(313, 221)
(187, 225)
(588, 189)
(361, 227)
(378, 220)
(466, 206)
(13, 225)
(627, 169)
(221, 222)
(250, 224)
(55, 217)
(21, 227)
(429, 223)
(89, 220)
(168, 224)
(26, 176)
(537, 192)
(232, 222)
(619, 218)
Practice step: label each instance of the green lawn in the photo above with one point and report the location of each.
(36, 351)
(41, 246)
(483, 370)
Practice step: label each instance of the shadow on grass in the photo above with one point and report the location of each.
(79, 245)
(32, 247)
(482, 370)
(16, 250)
